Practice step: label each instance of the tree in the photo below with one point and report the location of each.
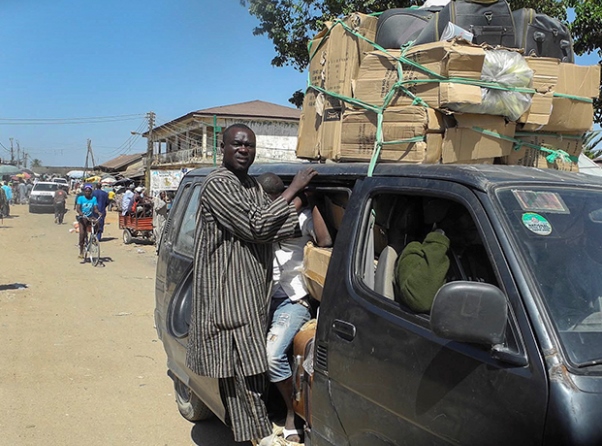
(36, 163)
(290, 24)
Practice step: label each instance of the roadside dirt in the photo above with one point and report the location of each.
(80, 359)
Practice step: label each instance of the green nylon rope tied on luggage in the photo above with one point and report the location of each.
(553, 154)
(400, 85)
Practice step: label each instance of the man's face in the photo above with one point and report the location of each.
(87, 192)
(239, 150)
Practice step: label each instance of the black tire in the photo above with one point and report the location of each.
(127, 237)
(94, 251)
(33, 210)
(189, 405)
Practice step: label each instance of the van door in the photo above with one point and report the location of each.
(382, 377)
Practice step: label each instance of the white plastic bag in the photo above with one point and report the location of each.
(509, 69)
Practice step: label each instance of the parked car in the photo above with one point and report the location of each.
(62, 181)
(510, 352)
(41, 198)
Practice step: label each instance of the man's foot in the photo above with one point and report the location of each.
(292, 435)
(81, 254)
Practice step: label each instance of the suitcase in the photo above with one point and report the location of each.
(543, 36)
(398, 26)
(490, 22)
(302, 380)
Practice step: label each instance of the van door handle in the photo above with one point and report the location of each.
(344, 329)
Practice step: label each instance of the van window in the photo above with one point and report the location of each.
(412, 245)
(185, 234)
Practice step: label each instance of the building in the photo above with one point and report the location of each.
(130, 166)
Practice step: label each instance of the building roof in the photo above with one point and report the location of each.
(252, 109)
(121, 162)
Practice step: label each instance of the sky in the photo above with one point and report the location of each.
(75, 70)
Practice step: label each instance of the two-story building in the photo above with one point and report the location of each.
(193, 140)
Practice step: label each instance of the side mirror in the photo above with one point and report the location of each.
(470, 312)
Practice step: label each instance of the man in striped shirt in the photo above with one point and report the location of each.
(236, 226)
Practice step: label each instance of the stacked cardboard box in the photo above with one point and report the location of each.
(344, 65)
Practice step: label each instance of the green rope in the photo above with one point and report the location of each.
(553, 154)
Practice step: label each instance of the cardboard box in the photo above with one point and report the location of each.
(545, 79)
(379, 72)
(469, 141)
(308, 139)
(315, 266)
(357, 135)
(570, 115)
(533, 157)
(346, 50)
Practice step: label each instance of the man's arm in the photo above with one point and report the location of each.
(249, 221)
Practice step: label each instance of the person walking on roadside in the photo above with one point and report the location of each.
(22, 188)
(236, 226)
(8, 191)
(159, 215)
(86, 208)
(60, 200)
(102, 198)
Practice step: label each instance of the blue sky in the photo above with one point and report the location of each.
(73, 59)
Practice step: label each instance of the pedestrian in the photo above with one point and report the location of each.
(29, 188)
(22, 188)
(8, 191)
(60, 200)
(159, 215)
(236, 226)
(102, 199)
(4, 206)
(111, 194)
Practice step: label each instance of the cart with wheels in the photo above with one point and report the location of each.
(135, 227)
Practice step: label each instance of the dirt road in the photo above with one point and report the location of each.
(80, 362)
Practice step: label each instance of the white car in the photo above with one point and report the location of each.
(41, 197)
(61, 181)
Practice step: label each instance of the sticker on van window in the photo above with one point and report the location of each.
(537, 224)
(538, 201)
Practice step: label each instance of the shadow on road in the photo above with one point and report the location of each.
(213, 433)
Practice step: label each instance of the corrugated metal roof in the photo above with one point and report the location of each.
(121, 161)
(252, 109)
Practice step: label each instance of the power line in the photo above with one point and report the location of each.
(77, 120)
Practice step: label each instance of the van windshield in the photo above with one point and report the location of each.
(559, 231)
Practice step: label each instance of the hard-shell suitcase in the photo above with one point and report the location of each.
(490, 22)
(542, 35)
(398, 26)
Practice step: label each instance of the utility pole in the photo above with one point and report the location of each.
(12, 152)
(89, 156)
(149, 149)
(25, 155)
(18, 154)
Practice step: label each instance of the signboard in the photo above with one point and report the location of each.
(165, 180)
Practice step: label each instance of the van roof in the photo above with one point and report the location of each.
(478, 176)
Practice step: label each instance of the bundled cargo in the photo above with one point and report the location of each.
(448, 101)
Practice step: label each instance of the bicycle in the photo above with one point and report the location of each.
(91, 243)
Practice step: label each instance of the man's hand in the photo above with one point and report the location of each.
(299, 183)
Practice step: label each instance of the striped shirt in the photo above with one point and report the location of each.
(236, 226)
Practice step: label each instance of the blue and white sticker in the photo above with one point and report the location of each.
(537, 224)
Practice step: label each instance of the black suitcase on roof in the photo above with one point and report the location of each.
(543, 36)
(490, 21)
(398, 26)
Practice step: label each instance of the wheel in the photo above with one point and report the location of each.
(189, 405)
(94, 250)
(33, 210)
(127, 236)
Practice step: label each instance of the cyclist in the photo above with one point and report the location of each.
(86, 206)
